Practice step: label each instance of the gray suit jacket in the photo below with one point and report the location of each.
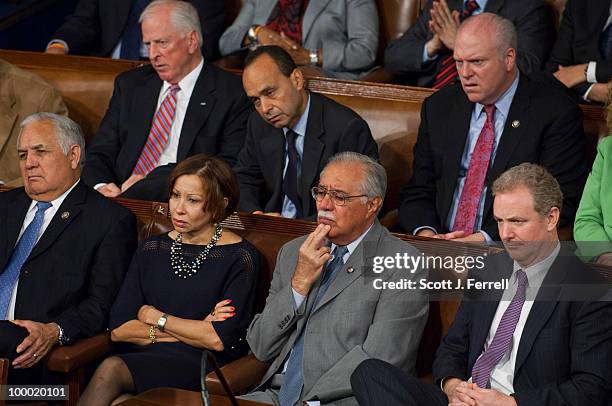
(352, 322)
(347, 30)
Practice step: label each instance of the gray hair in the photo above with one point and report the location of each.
(375, 183)
(504, 31)
(67, 132)
(183, 15)
(543, 187)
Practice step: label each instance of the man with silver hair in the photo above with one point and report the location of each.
(496, 118)
(64, 248)
(324, 313)
(159, 114)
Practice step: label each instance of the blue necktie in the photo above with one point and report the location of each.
(22, 250)
(293, 379)
(131, 40)
(605, 43)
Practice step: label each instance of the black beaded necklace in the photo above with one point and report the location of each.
(177, 261)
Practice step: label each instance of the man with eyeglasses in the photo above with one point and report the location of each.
(323, 315)
(178, 106)
(291, 137)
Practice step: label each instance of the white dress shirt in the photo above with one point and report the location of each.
(49, 213)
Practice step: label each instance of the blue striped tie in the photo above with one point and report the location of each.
(9, 277)
(293, 380)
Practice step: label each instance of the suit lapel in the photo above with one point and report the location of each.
(357, 261)
(13, 218)
(201, 103)
(60, 221)
(143, 110)
(315, 7)
(515, 129)
(545, 303)
(456, 136)
(313, 149)
(597, 13)
(273, 145)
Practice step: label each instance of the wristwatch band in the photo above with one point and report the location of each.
(252, 33)
(161, 323)
(314, 57)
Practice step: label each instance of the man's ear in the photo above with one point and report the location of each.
(193, 44)
(297, 78)
(74, 154)
(552, 219)
(374, 204)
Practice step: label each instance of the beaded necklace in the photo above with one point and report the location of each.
(177, 261)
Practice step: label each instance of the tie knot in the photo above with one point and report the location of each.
(340, 251)
(174, 89)
(521, 277)
(470, 7)
(42, 206)
(291, 136)
(490, 111)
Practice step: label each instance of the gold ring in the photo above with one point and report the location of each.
(35, 355)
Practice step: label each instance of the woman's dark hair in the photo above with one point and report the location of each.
(218, 181)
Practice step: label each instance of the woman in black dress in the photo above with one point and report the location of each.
(190, 289)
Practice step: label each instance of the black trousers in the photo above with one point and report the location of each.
(377, 383)
(11, 335)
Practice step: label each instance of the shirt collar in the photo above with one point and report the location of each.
(502, 105)
(353, 245)
(187, 84)
(536, 272)
(300, 126)
(57, 202)
(481, 3)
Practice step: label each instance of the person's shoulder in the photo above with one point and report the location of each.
(332, 108)
(106, 207)
(223, 79)
(605, 145)
(447, 95)
(390, 243)
(24, 78)
(136, 75)
(12, 195)
(547, 92)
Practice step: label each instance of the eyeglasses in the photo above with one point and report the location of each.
(339, 198)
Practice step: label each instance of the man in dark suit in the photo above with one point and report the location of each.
(423, 55)
(160, 114)
(100, 27)
(582, 56)
(544, 340)
(470, 133)
(291, 137)
(64, 249)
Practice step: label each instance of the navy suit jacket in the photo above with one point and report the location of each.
(214, 124)
(77, 266)
(565, 349)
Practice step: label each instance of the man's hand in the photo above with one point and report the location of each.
(42, 337)
(605, 259)
(270, 213)
(451, 386)
(571, 76)
(57, 50)
(299, 54)
(484, 397)
(109, 190)
(462, 237)
(130, 182)
(444, 23)
(426, 232)
(313, 255)
(599, 93)
(434, 45)
(266, 36)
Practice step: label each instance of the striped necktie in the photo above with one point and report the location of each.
(481, 372)
(22, 250)
(159, 134)
(447, 70)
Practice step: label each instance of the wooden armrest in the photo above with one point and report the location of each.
(241, 375)
(71, 357)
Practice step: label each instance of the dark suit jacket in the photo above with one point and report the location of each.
(578, 39)
(75, 270)
(331, 128)
(96, 26)
(549, 133)
(532, 19)
(214, 124)
(565, 349)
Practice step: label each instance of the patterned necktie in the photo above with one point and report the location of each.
(481, 372)
(159, 134)
(293, 380)
(291, 178)
(469, 201)
(131, 40)
(447, 70)
(287, 18)
(22, 250)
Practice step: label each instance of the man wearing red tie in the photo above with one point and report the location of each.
(496, 118)
(159, 114)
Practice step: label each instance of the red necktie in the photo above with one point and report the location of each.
(477, 172)
(447, 71)
(159, 134)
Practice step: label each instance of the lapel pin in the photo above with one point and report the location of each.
(202, 103)
(65, 215)
(350, 269)
(516, 124)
